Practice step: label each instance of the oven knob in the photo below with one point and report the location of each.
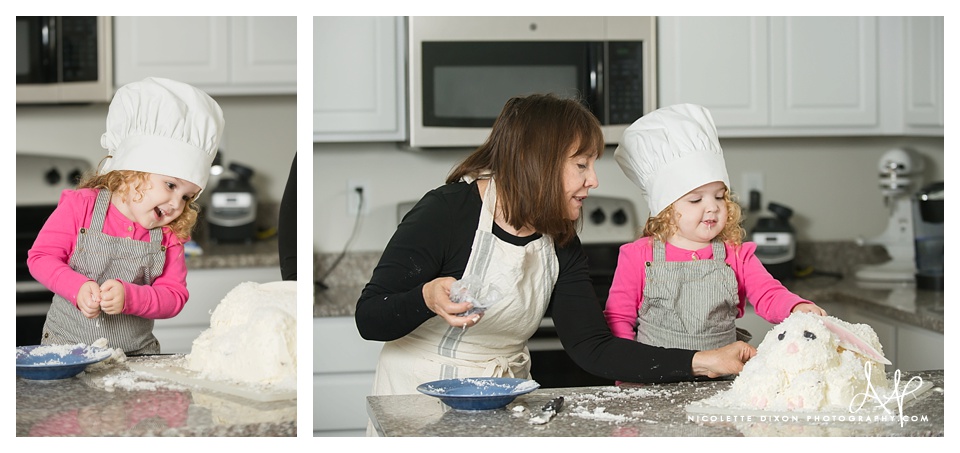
(52, 177)
(598, 216)
(75, 176)
(619, 217)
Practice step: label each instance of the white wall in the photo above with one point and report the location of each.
(260, 133)
(830, 183)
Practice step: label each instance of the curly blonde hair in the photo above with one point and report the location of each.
(124, 182)
(662, 226)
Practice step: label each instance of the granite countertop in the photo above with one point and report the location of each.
(336, 301)
(648, 410)
(901, 302)
(257, 253)
(114, 401)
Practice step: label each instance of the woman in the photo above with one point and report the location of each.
(507, 217)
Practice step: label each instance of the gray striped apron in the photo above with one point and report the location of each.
(101, 257)
(688, 304)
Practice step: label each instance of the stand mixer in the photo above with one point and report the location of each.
(896, 166)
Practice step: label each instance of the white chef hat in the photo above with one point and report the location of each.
(670, 152)
(165, 127)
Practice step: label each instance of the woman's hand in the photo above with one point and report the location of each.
(112, 297)
(809, 308)
(88, 299)
(436, 295)
(722, 361)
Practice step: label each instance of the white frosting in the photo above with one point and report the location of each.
(252, 337)
(801, 365)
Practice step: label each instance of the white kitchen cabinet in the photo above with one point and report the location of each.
(823, 72)
(923, 74)
(919, 349)
(909, 347)
(358, 79)
(806, 76)
(765, 76)
(718, 62)
(343, 368)
(221, 55)
(207, 288)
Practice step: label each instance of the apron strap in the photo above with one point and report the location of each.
(489, 207)
(156, 235)
(659, 251)
(719, 250)
(100, 210)
(100, 213)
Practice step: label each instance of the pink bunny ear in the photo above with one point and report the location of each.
(853, 342)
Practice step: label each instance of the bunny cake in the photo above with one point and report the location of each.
(809, 363)
(252, 337)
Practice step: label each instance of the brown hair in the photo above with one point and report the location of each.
(526, 153)
(663, 226)
(126, 181)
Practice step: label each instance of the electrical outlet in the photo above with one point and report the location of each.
(358, 197)
(751, 181)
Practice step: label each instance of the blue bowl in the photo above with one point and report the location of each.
(51, 362)
(478, 394)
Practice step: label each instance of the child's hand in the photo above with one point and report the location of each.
(809, 308)
(112, 295)
(88, 299)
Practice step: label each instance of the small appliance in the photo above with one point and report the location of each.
(64, 59)
(928, 229)
(897, 166)
(232, 207)
(776, 242)
(461, 71)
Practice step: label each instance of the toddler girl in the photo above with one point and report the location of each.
(684, 283)
(112, 250)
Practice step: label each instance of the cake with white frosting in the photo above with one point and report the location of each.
(252, 337)
(810, 363)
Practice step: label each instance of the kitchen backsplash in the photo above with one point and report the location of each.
(260, 133)
(831, 184)
(841, 257)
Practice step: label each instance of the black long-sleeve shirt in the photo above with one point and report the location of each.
(434, 240)
(287, 226)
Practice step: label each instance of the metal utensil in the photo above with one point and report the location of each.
(548, 411)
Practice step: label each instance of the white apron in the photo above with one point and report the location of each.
(496, 346)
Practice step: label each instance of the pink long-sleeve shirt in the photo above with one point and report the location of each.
(49, 257)
(771, 300)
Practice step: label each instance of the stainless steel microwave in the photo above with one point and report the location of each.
(461, 71)
(64, 59)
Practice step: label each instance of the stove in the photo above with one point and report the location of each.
(608, 223)
(40, 179)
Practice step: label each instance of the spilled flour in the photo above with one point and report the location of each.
(596, 405)
(112, 374)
